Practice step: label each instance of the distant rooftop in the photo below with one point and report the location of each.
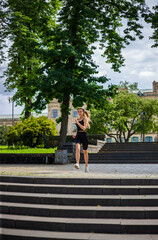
(9, 116)
(143, 90)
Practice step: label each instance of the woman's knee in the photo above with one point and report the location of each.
(77, 147)
(85, 151)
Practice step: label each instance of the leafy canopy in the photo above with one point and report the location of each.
(124, 115)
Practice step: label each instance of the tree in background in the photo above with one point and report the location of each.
(122, 117)
(24, 23)
(127, 85)
(66, 50)
(31, 132)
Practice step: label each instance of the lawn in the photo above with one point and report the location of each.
(5, 149)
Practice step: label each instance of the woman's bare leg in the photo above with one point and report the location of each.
(85, 157)
(78, 146)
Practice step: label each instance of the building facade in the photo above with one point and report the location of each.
(54, 112)
(10, 119)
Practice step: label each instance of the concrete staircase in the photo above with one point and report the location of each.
(86, 208)
(130, 147)
(125, 153)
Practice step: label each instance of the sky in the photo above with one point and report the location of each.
(141, 66)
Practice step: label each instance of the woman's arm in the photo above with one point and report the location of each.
(83, 127)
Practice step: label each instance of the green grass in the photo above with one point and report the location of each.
(6, 149)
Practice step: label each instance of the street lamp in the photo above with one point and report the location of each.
(142, 117)
(10, 100)
(140, 94)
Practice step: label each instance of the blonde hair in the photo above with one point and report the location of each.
(85, 113)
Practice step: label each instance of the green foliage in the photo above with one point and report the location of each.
(3, 131)
(154, 26)
(31, 132)
(124, 116)
(127, 85)
(24, 23)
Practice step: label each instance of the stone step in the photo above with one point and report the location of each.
(132, 147)
(80, 200)
(122, 155)
(119, 161)
(79, 181)
(79, 189)
(127, 149)
(20, 234)
(79, 211)
(129, 226)
(149, 154)
(78, 208)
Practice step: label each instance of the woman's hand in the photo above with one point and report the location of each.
(76, 121)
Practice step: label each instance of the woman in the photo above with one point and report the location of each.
(81, 136)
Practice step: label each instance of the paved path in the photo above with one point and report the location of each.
(96, 170)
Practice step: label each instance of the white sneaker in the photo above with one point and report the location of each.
(86, 169)
(77, 166)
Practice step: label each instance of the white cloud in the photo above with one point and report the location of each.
(146, 74)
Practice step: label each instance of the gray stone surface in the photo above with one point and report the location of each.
(95, 170)
(61, 156)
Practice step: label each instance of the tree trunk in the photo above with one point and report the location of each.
(66, 101)
(64, 122)
(27, 112)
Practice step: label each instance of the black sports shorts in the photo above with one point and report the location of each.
(82, 137)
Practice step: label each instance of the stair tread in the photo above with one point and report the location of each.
(96, 208)
(14, 177)
(79, 195)
(78, 186)
(81, 220)
(75, 235)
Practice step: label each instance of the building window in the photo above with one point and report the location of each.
(108, 140)
(74, 127)
(148, 139)
(75, 113)
(156, 139)
(134, 139)
(54, 113)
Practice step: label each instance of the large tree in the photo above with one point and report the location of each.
(124, 116)
(66, 51)
(24, 23)
(69, 65)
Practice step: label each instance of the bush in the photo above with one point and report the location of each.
(3, 131)
(31, 132)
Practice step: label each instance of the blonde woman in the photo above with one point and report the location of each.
(81, 137)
